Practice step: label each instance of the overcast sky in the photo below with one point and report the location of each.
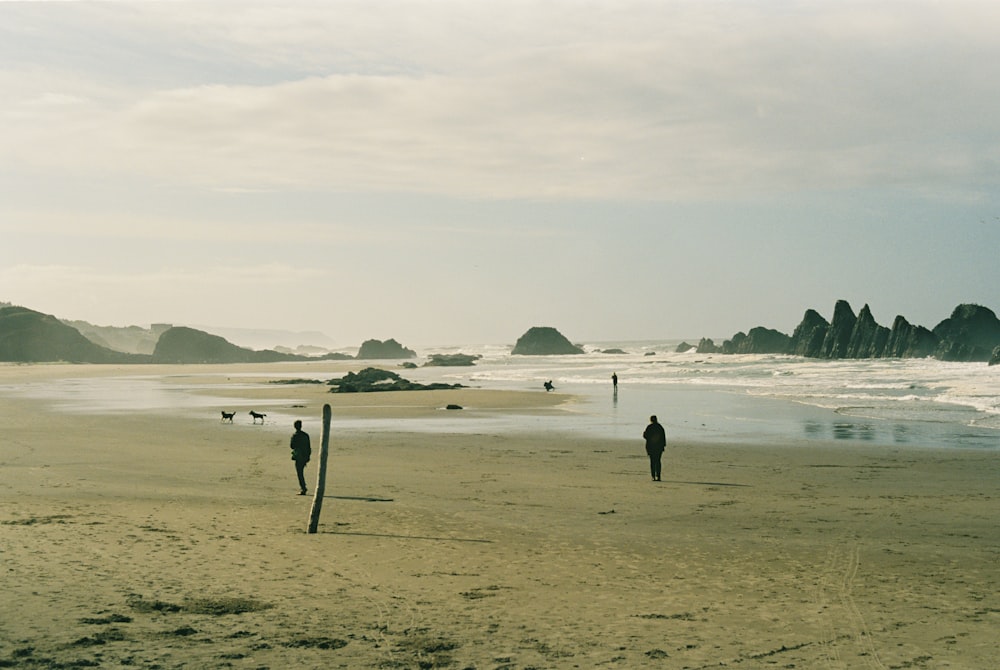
(449, 172)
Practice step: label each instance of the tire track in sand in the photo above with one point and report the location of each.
(844, 619)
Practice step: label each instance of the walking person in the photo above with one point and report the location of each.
(301, 451)
(656, 442)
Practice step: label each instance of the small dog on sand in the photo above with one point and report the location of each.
(228, 416)
(257, 415)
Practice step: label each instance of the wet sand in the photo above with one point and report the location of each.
(166, 539)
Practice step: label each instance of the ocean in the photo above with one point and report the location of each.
(741, 399)
(745, 398)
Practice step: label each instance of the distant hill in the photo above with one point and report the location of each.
(27, 336)
(187, 345)
(127, 339)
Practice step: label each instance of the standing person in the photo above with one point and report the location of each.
(301, 451)
(614, 380)
(656, 442)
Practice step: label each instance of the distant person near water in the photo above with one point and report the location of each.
(548, 385)
(656, 442)
(301, 451)
(614, 380)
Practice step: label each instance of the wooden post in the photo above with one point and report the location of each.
(321, 474)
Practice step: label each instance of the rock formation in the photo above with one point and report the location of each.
(374, 380)
(27, 336)
(707, 346)
(995, 357)
(759, 341)
(684, 347)
(972, 333)
(188, 345)
(451, 360)
(390, 349)
(544, 341)
(969, 334)
(807, 338)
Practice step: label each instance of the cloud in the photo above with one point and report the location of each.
(657, 101)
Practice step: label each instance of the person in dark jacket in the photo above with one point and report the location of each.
(656, 442)
(301, 451)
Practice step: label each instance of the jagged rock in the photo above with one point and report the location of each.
(995, 357)
(384, 350)
(707, 346)
(613, 351)
(969, 334)
(868, 338)
(838, 335)
(807, 338)
(451, 360)
(188, 345)
(27, 336)
(909, 341)
(544, 341)
(684, 347)
(759, 340)
(374, 380)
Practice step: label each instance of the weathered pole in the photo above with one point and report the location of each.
(321, 474)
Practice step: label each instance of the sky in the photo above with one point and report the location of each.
(449, 172)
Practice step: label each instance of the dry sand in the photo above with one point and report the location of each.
(141, 540)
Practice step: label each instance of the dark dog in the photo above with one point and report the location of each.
(257, 415)
(228, 416)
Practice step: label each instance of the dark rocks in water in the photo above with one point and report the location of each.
(409, 365)
(838, 335)
(807, 338)
(384, 350)
(909, 341)
(613, 351)
(373, 379)
(453, 407)
(684, 347)
(995, 357)
(451, 360)
(188, 345)
(868, 338)
(707, 346)
(969, 334)
(27, 336)
(759, 340)
(544, 341)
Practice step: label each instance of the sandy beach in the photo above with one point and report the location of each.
(144, 539)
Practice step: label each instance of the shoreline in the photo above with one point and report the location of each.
(141, 539)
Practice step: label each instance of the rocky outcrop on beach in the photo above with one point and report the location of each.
(971, 333)
(27, 336)
(451, 360)
(544, 341)
(706, 345)
(995, 357)
(371, 380)
(684, 347)
(389, 349)
(759, 340)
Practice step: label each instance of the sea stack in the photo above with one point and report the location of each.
(544, 341)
